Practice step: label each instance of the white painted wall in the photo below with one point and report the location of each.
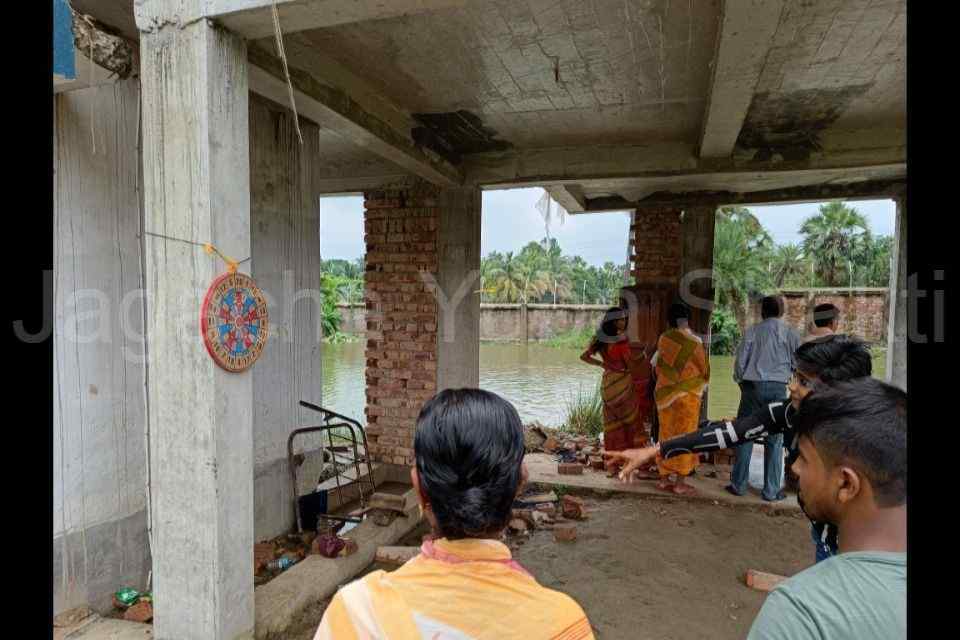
(99, 455)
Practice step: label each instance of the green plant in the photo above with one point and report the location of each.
(585, 413)
(572, 339)
(724, 332)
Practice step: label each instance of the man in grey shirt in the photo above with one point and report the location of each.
(852, 470)
(763, 367)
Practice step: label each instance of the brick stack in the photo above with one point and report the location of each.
(401, 242)
(657, 246)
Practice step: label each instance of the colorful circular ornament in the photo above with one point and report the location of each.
(233, 321)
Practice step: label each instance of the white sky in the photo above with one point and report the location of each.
(511, 220)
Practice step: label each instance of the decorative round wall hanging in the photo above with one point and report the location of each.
(233, 321)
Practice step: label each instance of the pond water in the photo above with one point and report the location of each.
(539, 380)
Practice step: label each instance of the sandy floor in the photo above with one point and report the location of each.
(658, 569)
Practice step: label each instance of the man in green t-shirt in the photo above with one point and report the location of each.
(852, 470)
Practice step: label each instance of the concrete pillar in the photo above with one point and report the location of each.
(897, 325)
(696, 283)
(196, 188)
(458, 263)
(99, 454)
(285, 219)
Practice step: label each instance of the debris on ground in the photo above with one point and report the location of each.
(518, 525)
(565, 533)
(570, 469)
(572, 508)
(327, 545)
(125, 597)
(762, 581)
(140, 612)
(396, 556)
(72, 617)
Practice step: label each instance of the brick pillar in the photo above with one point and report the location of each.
(423, 315)
(657, 247)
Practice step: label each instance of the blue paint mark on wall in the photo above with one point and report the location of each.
(64, 63)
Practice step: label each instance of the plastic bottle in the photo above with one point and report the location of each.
(281, 563)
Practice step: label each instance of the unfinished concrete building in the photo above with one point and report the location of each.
(183, 128)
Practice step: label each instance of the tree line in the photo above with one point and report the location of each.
(837, 249)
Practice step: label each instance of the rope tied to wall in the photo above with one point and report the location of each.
(278, 35)
(208, 248)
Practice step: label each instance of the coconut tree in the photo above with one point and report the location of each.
(516, 279)
(832, 238)
(788, 265)
(741, 255)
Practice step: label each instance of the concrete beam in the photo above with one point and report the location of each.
(568, 196)
(196, 168)
(253, 19)
(334, 108)
(578, 165)
(747, 28)
(868, 190)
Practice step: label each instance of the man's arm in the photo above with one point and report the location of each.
(742, 356)
(714, 435)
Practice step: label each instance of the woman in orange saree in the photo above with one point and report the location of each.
(682, 375)
(622, 407)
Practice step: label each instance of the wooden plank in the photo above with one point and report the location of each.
(762, 581)
(396, 556)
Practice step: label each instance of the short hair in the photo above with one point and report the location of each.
(771, 307)
(824, 314)
(835, 358)
(861, 423)
(469, 450)
(677, 311)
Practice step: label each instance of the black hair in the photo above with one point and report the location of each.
(861, 423)
(771, 307)
(835, 358)
(824, 314)
(469, 451)
(677, 311)
(608, 327)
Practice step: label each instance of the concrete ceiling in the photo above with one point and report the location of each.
(619, 98)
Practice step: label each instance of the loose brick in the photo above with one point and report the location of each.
(572, 507)
(570, 468)
(565, 533)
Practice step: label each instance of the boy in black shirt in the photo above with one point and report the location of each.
(822, 361)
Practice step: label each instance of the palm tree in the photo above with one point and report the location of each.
(832, 237)
(741, 253)
(788, 265)
(516, 280)
(556, 267)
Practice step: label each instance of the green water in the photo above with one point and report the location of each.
(539, 380)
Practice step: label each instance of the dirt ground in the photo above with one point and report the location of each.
(668, 570)
(656, 569)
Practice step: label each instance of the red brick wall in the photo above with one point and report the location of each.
(401, 241)
(657, 247)
(863, 314)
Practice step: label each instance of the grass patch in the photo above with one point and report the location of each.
(584, 415)
(340, 337)
(573, 339)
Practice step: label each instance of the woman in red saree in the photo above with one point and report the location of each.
(623, 402)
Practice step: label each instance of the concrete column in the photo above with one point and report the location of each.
(285, 219)
(696, 284)
(99, 454)
(897, 325)
(197, 188)
(458, 262)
